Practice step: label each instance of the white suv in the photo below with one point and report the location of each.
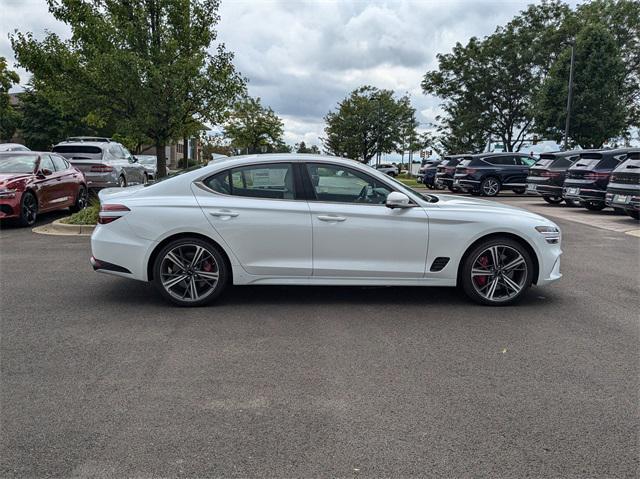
(387, 168)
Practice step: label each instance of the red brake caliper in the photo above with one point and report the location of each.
(207, 266)
(482, 280)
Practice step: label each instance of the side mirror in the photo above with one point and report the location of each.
(44, 172)
(133, 159)
(395, 199)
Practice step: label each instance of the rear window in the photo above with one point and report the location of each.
(630, 164)
(544, 162)
(585, 163)
(464, 162)
(78, 152)
(563, 162)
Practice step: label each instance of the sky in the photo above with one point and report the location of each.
(303, 57)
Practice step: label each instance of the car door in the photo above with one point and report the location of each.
(67, 179)
(48, 185)
(354, 234)
(260, 214)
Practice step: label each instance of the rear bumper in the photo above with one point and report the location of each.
(583, 194)
(101, 180)
(627, 198)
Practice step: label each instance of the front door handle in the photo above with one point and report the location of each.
(331, 218)
(223, 213)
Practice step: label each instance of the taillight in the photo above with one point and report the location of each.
(550, 174)
(596, 176)
(470, 171)
(101, 168)
(111, 212)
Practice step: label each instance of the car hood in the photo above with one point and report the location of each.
(451, 201)
(10, 177)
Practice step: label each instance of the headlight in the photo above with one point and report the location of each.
(6, 193)
(550, 233)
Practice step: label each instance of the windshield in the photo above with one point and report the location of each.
(17, 163)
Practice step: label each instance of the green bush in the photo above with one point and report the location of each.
(87, 216)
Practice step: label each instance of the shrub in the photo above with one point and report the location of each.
(87, 216)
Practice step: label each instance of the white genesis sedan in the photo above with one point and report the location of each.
(316, 220)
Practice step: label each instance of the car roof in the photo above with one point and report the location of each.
(22, 152)
(596, 154)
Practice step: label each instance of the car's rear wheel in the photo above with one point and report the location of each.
(497, 272)
(81, 200)
(595, 205)
(145, 180)
(28, 209)
(519, 191)
(490, 186)
(553, 200)
(190, 272)
(571, 203)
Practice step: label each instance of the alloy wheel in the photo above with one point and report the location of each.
(81, 202)
(29, 209)
(490, 187)
(122, 182)
(189, 272)
(499, 273)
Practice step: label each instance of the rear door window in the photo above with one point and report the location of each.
(59, 163)
(257, 181)
(500, 160)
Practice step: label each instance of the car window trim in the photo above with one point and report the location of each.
(200, 183)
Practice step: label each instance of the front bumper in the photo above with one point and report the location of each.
(10, 207)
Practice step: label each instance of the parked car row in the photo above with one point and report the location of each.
(594, 179)
(33, 182)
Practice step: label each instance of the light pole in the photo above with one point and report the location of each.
(569, 99)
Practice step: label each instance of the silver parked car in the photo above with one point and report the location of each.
(387, 168)
(150, 163)
(105, 163)
(13, 147)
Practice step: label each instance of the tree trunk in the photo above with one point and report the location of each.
(162, 159)
(185, 152)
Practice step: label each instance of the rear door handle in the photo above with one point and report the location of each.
(331, 218)
(223, 213)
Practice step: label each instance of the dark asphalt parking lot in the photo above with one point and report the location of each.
(101, 378)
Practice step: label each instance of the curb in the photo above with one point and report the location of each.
(57, 228)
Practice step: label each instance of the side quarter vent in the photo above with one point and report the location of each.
(439, 263)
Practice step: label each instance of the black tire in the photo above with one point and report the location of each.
(490, 186)
(474, 193)
(452, 189)
(634, 214)
(595, 205)
(519, 190)
(122, 181)
(553, 200)
(81, 200)
(619, 211)
(571, 203)
(28, 209)
(524, 278)
(212, 255)
(145, 180)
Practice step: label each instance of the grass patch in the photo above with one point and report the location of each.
(410, 182)
(87, 216)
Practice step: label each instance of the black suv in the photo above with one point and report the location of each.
(427, 173)
(546, 177)
(588, 177)
(623, 190)
(488, 173)
(446, 169)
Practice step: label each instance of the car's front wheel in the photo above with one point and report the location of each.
(28, 209)
(122, 181)
(634, 214)
(497, 272)
(190, 272)
(519, 190)
(490, 186)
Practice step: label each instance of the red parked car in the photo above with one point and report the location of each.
(34, 182)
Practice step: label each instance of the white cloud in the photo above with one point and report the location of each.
(302, 57)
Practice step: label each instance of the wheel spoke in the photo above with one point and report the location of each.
(172, 282)
(492, 289)
(172, 257)
(197, 256)
(495, 257)
(480, 272)
(513, 264)
(193, 290)
(509, 283)
(207, 274)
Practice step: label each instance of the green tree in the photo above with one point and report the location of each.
(143, 66)
(253, 128)
(599, 111)
(9, 117)
(367, 123)
(488, 85)
(303, 148)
